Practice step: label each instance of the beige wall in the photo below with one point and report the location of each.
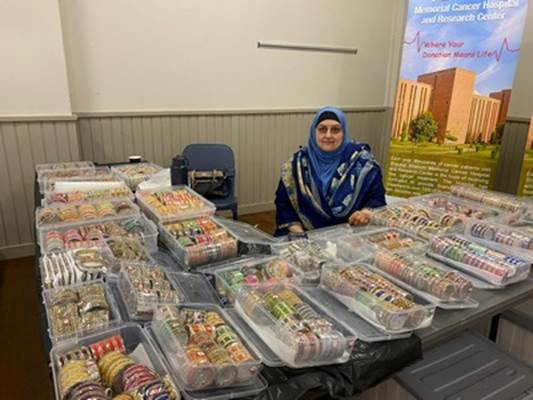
(33, 77)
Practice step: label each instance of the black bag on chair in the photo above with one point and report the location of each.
(210, 184)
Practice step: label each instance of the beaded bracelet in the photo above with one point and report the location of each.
(503, 235)
(82, 212)
(90, 195)
(499, 200)
(169, 203)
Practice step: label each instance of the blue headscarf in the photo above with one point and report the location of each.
(325, 163)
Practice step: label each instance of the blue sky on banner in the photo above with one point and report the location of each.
(490, 48)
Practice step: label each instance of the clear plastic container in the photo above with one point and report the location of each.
(77, 310)
(135, 173)
(427, 279)
(175, 203)
(198, 242)
(293, 326)
(136, 345)
(230, 277)
(203, 347)
(47, 179)
(461, 207)
(501, 237)
(250, 239)
(75, 266)
(497, 268)
(64, 165)
(80, 196)
(57, 216)
(376, 299)
(128, 249)
(195, 287)
(502, 201)
(143, 286)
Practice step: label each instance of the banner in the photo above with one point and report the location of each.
(458, 64)
(525, 186)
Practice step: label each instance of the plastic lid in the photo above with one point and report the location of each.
(246, 232)
(195, 287)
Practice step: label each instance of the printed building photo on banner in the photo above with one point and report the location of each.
(525, 186)
(458, 64)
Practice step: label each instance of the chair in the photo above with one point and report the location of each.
(210, 156)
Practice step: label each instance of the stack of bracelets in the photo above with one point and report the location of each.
(142, 286)
(420, 274)
(172, 202)
(502, 234)
(73, 310)
(127, 248)
(84, 196)
(134, 174)
(75, 238)
(203, 240)
(64, 165)
(205, 349)
(499, 200)
(498, 267)
(448, 205)
(309, 257)
(393, 240)
(103, 369)
(294, 322)
(83, 212)
(75, 266)
(375, 297)
(271, 271)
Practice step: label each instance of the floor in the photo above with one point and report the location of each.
(24, 373)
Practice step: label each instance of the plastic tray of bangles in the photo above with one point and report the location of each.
(376, 299)
(75, 266)
(72, 215)
(501, 237)
(497, 268)
(203, 347)
(47, 179)
(81, 196)
(502, 201)
(251, 240)
(307, 257)
(231, 276)
(79, 309)
(299, 332)
(356, 247)
(428, 279)
(134, 174)
(128, 249)
(461, 207)
(173, 204)
(418, 220)
(118, 363)
(63, 165)
(143, 286)
(198, 242)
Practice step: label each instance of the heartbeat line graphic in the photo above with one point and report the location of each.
(497, 53)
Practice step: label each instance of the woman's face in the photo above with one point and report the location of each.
(329, 135)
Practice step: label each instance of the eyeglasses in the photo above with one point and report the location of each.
(323, 129)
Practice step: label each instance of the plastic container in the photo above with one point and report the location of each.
(198, 242)
(79, 196)
(250, 239)
(56, 216)
(73, 309)
(429, 280)
(376, 299)
(176, 203)
(293, 326)
(230, 276)
(143, 286)
(497, 268)
(203, 347)
(128, 249)
(75, 266)
(135, 173)
(501, 237)
(64, 165)
(502, 201)
(137, 346)
(195, 287)
(464, 209)
(47, 179)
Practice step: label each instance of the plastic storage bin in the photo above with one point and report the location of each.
(135, 173)
(376, 299)
(203, 347)
(250, 239)
(128, 249)
(75, 266)
(143, 286)
(502, 201)
(176, 203)
(47, 179)
(80, 196)
(432, 281)
(293, 326)
(137, 354)
(64, 165)
(448, 203)
(497, 268)
(198, 242)
(79, 309)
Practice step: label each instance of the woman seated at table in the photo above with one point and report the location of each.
(331, 181)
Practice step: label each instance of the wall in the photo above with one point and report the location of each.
(33, 77)
(173, 55)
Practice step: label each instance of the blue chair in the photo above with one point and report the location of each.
(210, 156)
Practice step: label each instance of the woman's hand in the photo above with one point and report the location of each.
(361, 217)
(296, 228)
